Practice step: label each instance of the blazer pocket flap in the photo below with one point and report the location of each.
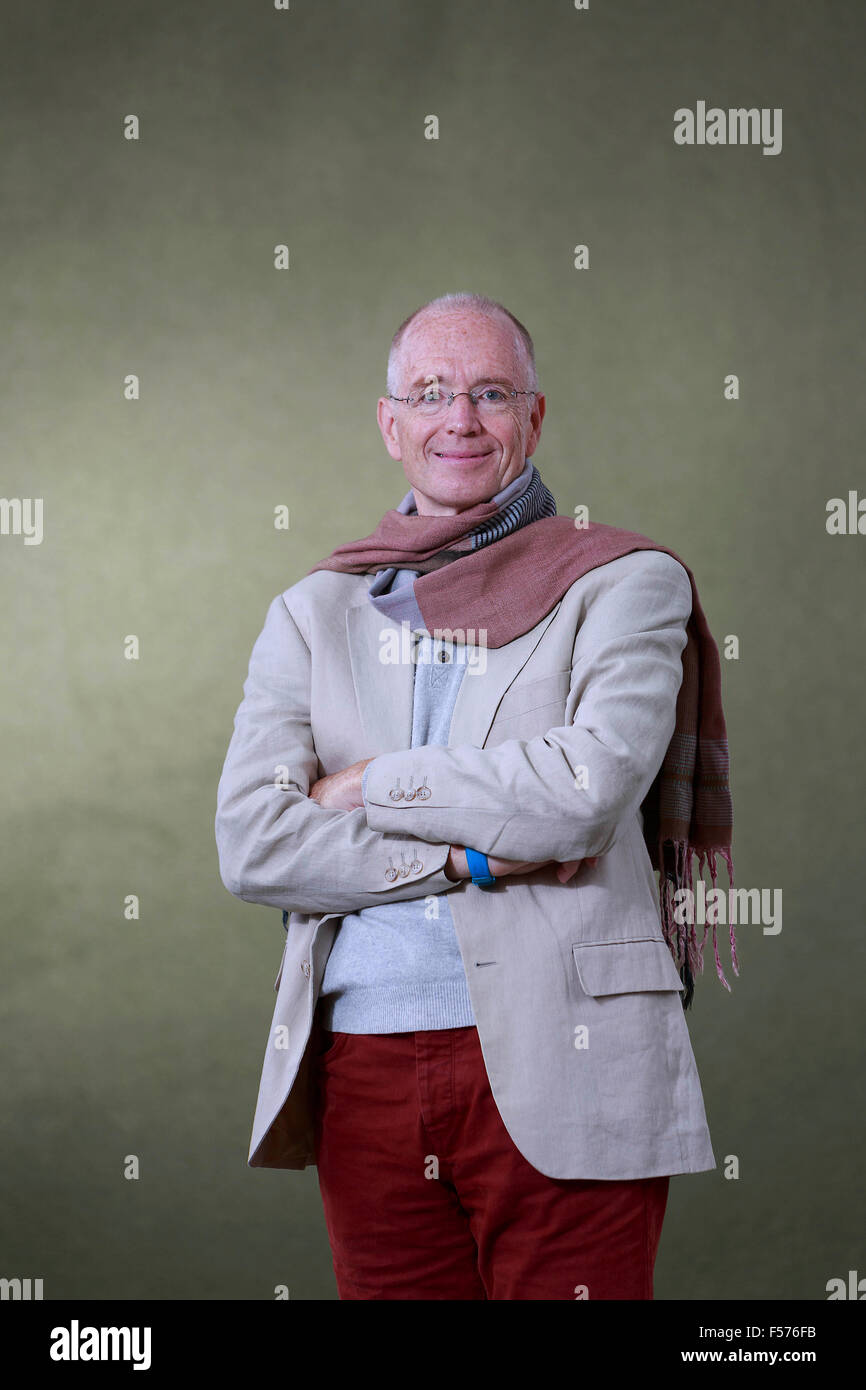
(529, 695)
(625, 967)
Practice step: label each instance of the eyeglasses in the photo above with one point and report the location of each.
(487, 400)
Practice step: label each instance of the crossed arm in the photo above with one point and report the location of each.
(278, 845)
(345, 791)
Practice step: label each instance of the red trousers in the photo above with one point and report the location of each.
(426, 1195)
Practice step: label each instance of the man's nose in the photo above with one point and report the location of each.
(462, 415)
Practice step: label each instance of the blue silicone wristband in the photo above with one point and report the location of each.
(479, 868)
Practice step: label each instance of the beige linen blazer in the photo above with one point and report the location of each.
(555, 740)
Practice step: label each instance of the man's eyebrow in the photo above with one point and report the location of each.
(444, 380)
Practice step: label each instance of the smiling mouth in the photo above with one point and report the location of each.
(441, 454)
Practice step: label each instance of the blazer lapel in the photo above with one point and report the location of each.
(385, 689)
(481, 690)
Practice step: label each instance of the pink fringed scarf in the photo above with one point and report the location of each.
(688, 809)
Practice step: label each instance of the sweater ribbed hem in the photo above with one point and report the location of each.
(398, 1008)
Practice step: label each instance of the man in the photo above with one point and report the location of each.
(448, 733)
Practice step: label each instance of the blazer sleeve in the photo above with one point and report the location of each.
(275, 845)
(519, 799)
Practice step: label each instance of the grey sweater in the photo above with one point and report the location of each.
(396, 967)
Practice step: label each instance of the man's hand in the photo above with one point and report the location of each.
(340, 791)
(457, 867)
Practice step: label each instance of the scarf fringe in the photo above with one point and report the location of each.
(682, 938)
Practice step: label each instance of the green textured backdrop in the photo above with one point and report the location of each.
(258, 387)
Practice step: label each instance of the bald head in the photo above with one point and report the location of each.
(462, 306)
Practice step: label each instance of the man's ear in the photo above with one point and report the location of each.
(536, 415)
(387, 421)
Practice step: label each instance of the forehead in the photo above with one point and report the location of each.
(460, 343)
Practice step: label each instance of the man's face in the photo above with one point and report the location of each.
(460, 458)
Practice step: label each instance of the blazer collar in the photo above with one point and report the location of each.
(385, 689)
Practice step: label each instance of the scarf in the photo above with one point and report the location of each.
(469, 569)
